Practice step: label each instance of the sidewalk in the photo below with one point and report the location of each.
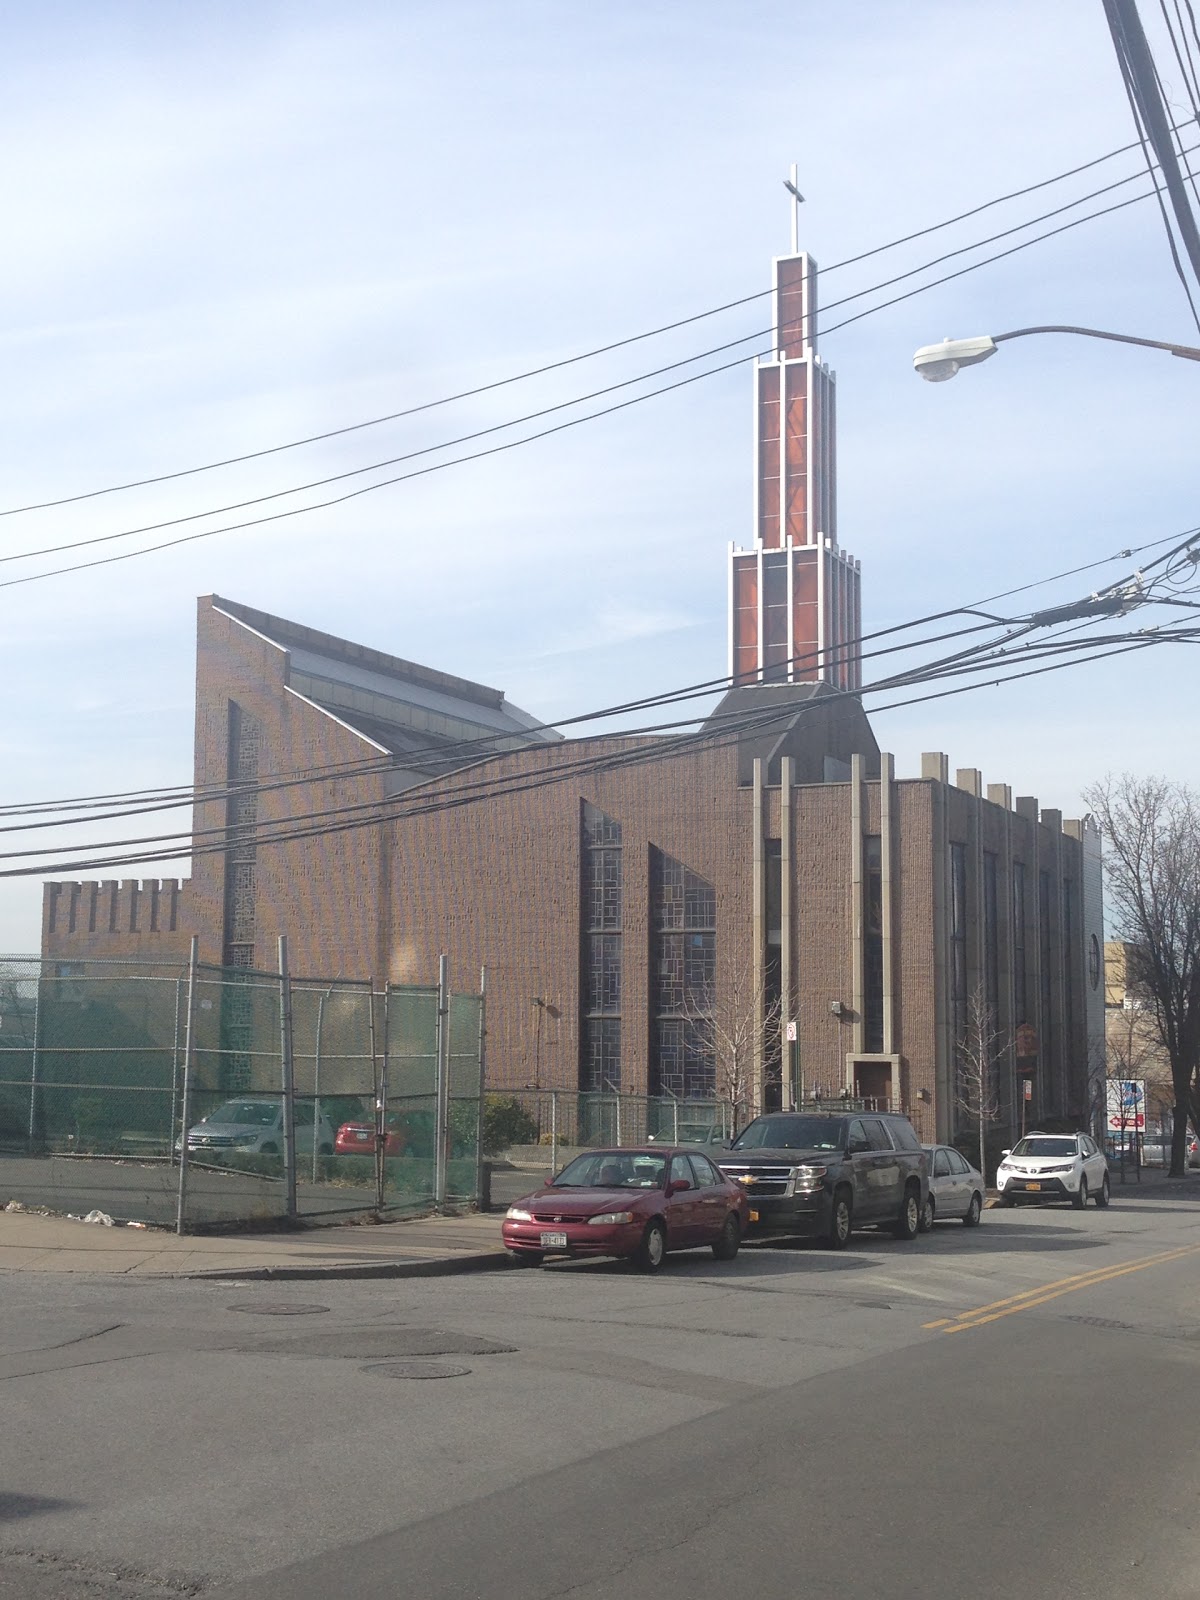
(427, 1247)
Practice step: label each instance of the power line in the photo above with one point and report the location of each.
(89, 808)
(513, 444)
(642, 753)
(564, 405)
(987, 657)
(1138, 74)
(566, 361)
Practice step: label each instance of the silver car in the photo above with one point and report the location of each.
(956, 1188)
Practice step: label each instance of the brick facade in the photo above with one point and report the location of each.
(485, 864)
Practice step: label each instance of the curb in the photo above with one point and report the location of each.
(441, 1267)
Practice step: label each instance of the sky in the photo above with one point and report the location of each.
(230, 227)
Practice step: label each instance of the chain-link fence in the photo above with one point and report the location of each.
(546, 1122)
(198, 1096)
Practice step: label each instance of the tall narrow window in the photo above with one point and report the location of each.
(241, 819)
(991, 935)
(958, 943)
(683, 918)
(602, 908)
(1067, 966)
(1046, 1035)
(873, 943)
(1020, 991)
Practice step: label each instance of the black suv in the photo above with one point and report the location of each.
(823, 1174)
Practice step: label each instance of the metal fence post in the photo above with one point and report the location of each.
(33, 1058)
(174, 1072)
(189, 1051)
(441, 1088)
(317, 1080)
(479, 1120)
(553, 1132)
(379, 1072)
(288, 1082)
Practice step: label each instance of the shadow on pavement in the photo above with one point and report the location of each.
(14, 1506)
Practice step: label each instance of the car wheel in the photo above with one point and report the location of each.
(324, 1149)
(650, 1254)
(1080, 1199)
(928, 1215)
(725, 1246)
(268, 1149)
(908, 1224)
(525, 1258)
(1007, 1201)
(1104, 1194)
(840, 1222)
(974, 1211)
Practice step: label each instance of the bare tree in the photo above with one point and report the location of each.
(975, 1090)
(735, 1023)
(1151, 831)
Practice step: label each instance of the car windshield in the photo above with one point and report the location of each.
(613, 1169)
(793, 1133)
(1044, 1147)
(255, 1113)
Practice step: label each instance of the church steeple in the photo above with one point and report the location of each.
(795, 607)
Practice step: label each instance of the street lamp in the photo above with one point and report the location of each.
(938, 362)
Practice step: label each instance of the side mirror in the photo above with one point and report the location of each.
(1004, 1154)
(676, 1186)
(857, 1147)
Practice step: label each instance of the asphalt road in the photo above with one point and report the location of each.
(997, 1412)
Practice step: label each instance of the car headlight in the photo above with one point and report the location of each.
(244, 1138)
(1066, 1168)
(518, 1214)
(806, 1179)
(609, 1218)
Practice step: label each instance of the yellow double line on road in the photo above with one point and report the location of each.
(1029, 1298)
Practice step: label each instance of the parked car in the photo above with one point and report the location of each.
(633, 1203)
(254, 1127)
(824, 1174)
(1054, 1166)
(358, 1138)
(956, 1188)
(1193, 1151)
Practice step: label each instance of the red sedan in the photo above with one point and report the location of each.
(358, 1138)
(633, 1203)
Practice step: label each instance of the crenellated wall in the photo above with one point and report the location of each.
(149, 919)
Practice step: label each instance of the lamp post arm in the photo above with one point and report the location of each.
(1185, 351)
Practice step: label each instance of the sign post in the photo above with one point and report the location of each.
(1126, 1107)
(795, 1068)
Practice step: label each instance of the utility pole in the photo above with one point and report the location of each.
(1141, 83)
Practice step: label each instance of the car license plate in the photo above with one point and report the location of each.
(1033, 1187)
(554, 1241)
(754, 1216)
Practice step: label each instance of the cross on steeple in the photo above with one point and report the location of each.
(797, 202)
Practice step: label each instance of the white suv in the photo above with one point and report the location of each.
(1054, 1166)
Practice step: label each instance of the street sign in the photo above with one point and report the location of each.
(1028, 1089)
(1126, 1105)
(791, 1033)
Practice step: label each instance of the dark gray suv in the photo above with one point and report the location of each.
(823, 1174)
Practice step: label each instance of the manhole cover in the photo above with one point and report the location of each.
(280, 1308)
(417, 1369)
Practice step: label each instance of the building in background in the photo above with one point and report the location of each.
(1135, 1050)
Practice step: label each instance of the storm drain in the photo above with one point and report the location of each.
(416, 1369)
(279, 1308)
